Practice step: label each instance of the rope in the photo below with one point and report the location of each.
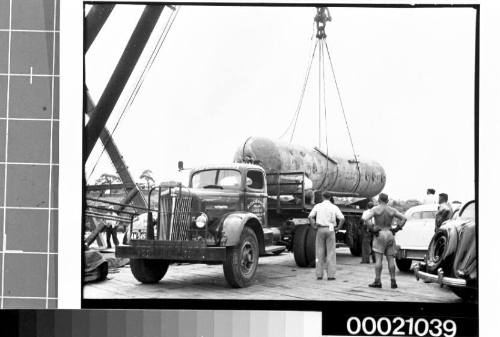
(297, 112)
(341, 104)
(325, 116)
(138, 85)
(306, 77)
(320, 57)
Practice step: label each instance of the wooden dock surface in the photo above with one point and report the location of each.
(278, 278)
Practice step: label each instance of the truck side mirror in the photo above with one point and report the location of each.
(180, 165)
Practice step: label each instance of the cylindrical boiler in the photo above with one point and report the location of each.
(364, 179)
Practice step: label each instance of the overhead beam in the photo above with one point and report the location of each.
(120, 76)
(94, 21)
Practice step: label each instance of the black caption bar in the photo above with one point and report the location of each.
(401, 319)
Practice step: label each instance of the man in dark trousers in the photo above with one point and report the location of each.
(444, 212)
(367, 237)
(323, 217)
(111, 230)
(383, 242)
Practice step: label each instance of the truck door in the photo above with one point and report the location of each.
(256, 195)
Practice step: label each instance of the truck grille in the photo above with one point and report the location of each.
(175, 217)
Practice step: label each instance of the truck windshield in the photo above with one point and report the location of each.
(221, 179)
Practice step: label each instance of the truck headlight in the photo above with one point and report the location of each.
(201, 220)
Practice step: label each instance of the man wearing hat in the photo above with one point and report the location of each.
(323, 217)
(383, 242)
(444, 210)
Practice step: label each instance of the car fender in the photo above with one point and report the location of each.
(232, 224)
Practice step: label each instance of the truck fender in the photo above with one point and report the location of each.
(232, 224)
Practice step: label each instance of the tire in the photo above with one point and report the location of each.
(403, 264)
(441, 250)
(242, 260)
(310, 248)
(148, 271)
(299, 246)
(102, 271)
(353, 239)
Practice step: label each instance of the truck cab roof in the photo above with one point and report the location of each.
(230, 166)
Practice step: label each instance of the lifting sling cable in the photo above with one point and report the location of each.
(320, 54)
(323, 90)
(295, 117)
(138, 84)
(297, 113)
(312, 44)
(344, 114)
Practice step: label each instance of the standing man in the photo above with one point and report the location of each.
(383, 242)
(367, 236)
(430, 197)
(444, 210)
(111, 230)
(323, 217)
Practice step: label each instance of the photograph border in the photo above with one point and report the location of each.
(466, 311)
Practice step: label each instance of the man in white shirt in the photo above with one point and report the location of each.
(323, 218)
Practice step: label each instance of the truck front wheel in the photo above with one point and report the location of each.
(241, 260)
(148, 271)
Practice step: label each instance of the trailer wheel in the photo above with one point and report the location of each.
(148, 271)
(403, 264)
(311, 247)
(241, 260)
(299, 245)
(353, 240)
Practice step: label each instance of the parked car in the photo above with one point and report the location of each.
(412, 242)
(451, 258)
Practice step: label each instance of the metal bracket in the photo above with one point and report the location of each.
(322, 16)
(440, 274)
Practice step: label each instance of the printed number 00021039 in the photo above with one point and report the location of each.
(401, 327)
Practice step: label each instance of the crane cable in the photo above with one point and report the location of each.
(293, 121)
(321, 40)
(138, 84)
(344, 114)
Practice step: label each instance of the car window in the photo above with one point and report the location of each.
(423, 215)
(469, 212)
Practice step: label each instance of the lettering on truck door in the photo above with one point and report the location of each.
(256, 199)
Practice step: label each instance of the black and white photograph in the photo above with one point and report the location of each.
(279, 153)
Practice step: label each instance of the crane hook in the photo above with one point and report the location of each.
(322, 16)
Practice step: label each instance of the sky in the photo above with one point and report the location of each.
(406, 79)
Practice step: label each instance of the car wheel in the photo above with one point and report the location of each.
(441, 250)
